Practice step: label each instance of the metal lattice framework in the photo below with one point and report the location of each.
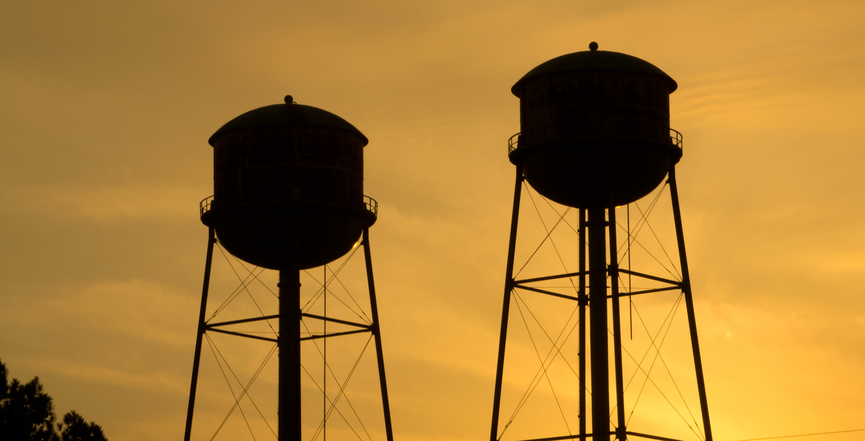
(319, 324)
(650, 371)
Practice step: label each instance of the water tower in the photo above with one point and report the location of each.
(595, 134)
(288, 196)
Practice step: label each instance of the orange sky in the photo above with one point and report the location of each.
(104, 119)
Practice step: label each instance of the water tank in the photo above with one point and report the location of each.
(288, 186)
(595, 128)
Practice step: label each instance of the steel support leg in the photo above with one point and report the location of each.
(617, 328)
(583, 301)
(598, 320)
(689, 303)
(509, 285)
(377, 334)
(211, 240)
(289, 355)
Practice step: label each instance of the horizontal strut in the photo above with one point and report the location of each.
(655, 278)
(557, 438)
(643, 435)
(239, 334)
(549, 293)
(333, 320)
(553, 277)
(335, 334)
(234, 322)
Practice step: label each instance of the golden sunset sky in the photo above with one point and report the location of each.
(106, 108)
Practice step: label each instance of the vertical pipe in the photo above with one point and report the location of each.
(689, 303)
(211, 240)
(367, 254)
(324, 357)
(598, 322)
(617, 328)
(289, 354)
(583, 301)
(509, 284)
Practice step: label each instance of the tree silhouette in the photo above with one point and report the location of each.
(26, 411)
(75, 428)
(27, 414)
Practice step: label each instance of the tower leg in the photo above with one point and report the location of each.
(689, 304)
(509, 284)
(211, 240)
(377, 334)
(598, 323)
(289, 355)
(617, 328)
(583, 301)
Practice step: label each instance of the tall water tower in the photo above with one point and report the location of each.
(595, 134)
(288, 196)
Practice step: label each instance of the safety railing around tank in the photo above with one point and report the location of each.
(205, 205)
(513, 143)
(612, 129)
(371, 205)
(676, 138)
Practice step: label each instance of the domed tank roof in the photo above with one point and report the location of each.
(593, 59)
(289, 114)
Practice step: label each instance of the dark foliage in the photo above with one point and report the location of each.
(75, 428)
(27, 414)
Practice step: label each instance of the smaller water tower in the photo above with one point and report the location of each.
(595, 134)
(288, 196)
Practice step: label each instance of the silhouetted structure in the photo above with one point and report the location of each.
(595, 134)
(288, 196)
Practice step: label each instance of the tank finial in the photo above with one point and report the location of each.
(289, 99)
(593, 46)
